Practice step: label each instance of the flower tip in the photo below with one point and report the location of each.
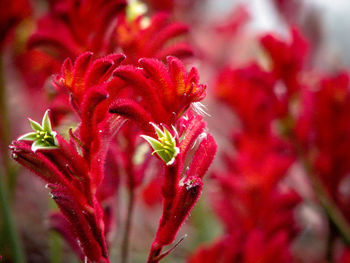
(170, 162)
(121, 57)
(141, 60)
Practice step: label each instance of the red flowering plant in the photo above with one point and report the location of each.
(155, 37)
(125, 128)
(323, 104)
(120, 27)
(65, 31)
(68, 30)
(161, 115)
(139, 36)
(255, 206)
(324, 150)
(74, 169)
(295, 113)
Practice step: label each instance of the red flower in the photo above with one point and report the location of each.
(162, 95)
(69, 30)
(74, 170)
(156, 38)
(98, 90)
(288, 58)
(157, 101)
(257, 214)
(327, 148)
(181, 191)
(250, 93)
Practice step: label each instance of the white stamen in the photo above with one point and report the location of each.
(200, 109)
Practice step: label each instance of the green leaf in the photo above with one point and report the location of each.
(46, 124)
(35, 126)
(31, 136)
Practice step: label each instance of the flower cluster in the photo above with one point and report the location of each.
(102, 96)
(256, 211)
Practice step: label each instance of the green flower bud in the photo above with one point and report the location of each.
(43, 137)
(165, 146)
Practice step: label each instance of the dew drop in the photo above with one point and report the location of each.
(14, 156)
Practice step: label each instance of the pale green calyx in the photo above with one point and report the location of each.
(43, 137)
(165, 146)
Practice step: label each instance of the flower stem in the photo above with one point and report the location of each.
(55, 241)
(7, 179)
(330, 242)
(55, 248)
(126, 236)
(337, 219)
(9, 228)
(330, 207)
(5, 134)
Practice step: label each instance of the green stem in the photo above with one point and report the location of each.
(9, 228)
(5, 133)
(330, 207)
(330, 242)
(126, 236)
(55, 241)
(7, 179)
(55, 248)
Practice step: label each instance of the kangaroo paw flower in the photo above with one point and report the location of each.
(43, 137)
(165, 147)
